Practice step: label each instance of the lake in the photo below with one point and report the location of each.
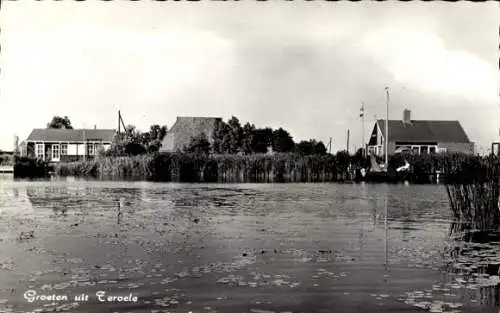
(155, 247)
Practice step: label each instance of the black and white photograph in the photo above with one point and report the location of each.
(249, 156)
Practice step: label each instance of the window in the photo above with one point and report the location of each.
(432, 149)
(39, 150)
(55, 152)
(64, 149)
(424, 149)
(90, 149)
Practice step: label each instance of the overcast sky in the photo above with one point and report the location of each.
(303, 66)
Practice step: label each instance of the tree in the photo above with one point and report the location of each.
(235, 135)
(310, 147)
(135, 142)
(157, 132)
(248, 135)
(60, 122)
(198, 144)
(319, 148)
(152, 139)
(133, 135)
(219, 136)
(304, 147)
(282, 141)
(262, 139)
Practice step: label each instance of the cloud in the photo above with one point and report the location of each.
(305, 67)
(419, 59)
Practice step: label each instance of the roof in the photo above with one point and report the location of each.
(194, 123)
(424, 131)
(55, 134)
(186, 127)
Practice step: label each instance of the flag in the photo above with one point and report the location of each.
(362, 111)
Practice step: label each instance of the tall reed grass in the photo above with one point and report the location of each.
(473, 188)
(179, 167)
(27, 167)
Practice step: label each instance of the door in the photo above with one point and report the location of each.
(56, 153)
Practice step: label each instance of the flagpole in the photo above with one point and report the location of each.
(387, 129)
(363, 129)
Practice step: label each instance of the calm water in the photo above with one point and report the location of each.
(237, 248)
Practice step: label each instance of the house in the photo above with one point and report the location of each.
(186, 127)
(419, 136)
(54, 145)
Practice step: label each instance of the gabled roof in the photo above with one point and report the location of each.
(193, 123)
(54, 134)
(186, 127)
(424, 131)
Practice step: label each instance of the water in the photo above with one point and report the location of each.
(237, 248)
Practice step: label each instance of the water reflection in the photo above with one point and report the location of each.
(236, 247)
(473, 260)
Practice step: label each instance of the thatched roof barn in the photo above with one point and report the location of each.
(186, 127)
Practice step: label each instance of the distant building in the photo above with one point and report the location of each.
(186, 127)
(419, 136)
(55, 145)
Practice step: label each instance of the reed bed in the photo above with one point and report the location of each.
(265, 168)
(26, 167)
(115, 167)
(473, 188)
(179, 167)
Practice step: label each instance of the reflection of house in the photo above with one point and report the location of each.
(420, 136)
(185, 128)
(56, 145)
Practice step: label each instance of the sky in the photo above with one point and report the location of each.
(303, 66)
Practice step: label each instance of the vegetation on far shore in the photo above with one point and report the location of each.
(238, 154)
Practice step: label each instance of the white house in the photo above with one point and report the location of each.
(419, 136)
(55, 145)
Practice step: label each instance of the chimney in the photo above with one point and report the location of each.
(406, 116)
(95, 126)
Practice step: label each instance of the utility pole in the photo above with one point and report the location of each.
(348, 141)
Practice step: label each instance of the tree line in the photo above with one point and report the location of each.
(228, 138)
(232, 138)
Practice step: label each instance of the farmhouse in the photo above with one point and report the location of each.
(55, 145)
(419, 136)
(186, 127)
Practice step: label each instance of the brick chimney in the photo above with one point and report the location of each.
(406, 116)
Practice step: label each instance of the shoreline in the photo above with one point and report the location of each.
(261, 168)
